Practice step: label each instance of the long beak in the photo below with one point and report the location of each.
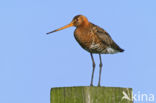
(66, 26)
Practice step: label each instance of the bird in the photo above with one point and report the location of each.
(93, 39)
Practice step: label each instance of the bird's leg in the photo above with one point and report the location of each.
(91, 84)
(100, 70)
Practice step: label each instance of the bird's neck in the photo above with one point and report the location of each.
(84, 25)
(84, 28)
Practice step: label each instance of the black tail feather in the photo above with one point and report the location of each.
(121, 50)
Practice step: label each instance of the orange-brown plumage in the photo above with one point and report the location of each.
(85, 38)
(92, 38)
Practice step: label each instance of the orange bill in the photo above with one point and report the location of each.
(67, 26)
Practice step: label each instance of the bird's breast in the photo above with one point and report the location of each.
(88, 40)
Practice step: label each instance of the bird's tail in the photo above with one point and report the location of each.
(121, 50)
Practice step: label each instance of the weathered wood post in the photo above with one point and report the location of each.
(91, 95)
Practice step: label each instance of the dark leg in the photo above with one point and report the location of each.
(91, 84)
(100, 70)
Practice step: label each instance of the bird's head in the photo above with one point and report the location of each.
(77, 21)
(80, 20)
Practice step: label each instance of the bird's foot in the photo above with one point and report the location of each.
(99, 85)
(91, 85)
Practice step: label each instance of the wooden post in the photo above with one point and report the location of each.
(91, 95)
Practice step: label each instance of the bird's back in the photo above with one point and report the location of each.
(105, 38)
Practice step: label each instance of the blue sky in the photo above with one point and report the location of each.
(33, 62)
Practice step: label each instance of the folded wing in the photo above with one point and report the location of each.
(105, 38)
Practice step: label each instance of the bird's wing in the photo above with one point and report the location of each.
(105, 37)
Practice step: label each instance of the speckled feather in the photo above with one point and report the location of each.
(96, 40)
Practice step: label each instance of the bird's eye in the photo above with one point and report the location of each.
(77, 19)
